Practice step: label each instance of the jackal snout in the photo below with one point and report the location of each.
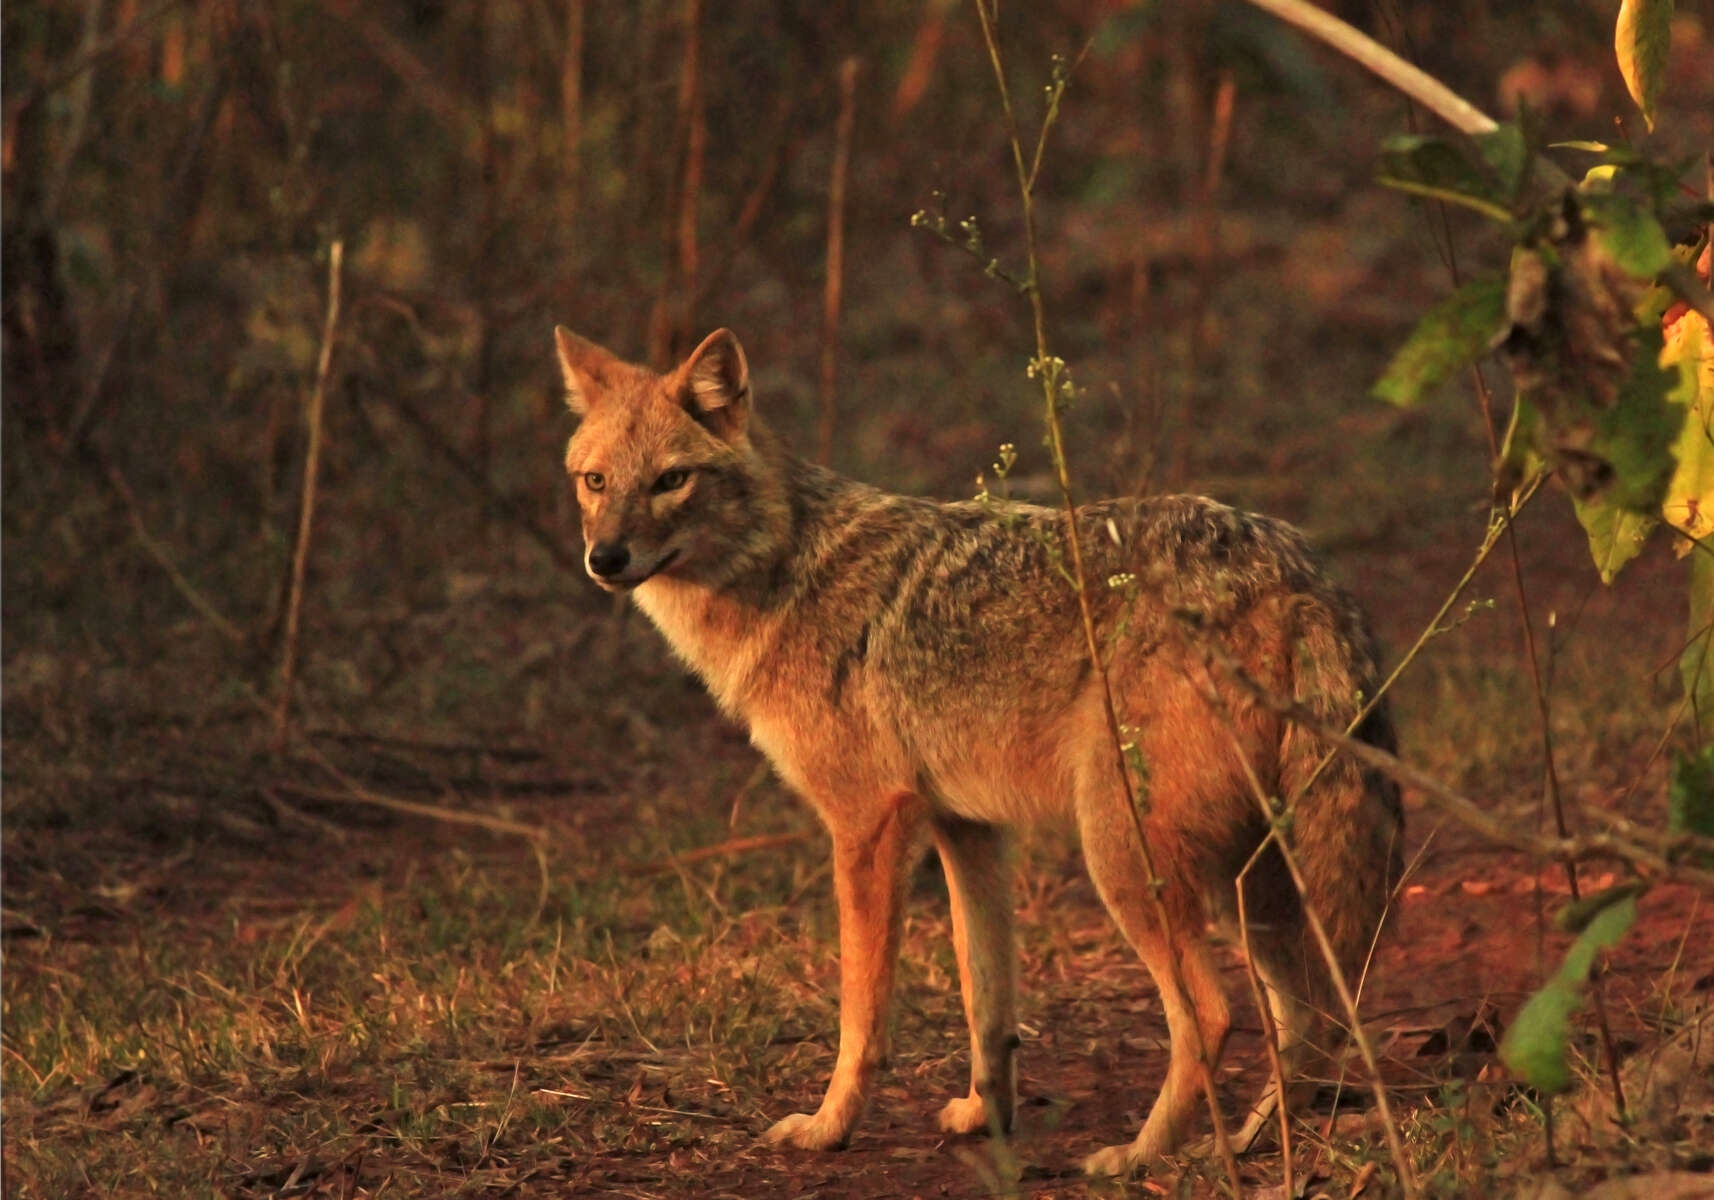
(607, 559)
(612, 564)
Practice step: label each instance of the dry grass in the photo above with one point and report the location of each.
(221, 980)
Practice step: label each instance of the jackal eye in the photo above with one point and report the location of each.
(671, 481)
(595, 481)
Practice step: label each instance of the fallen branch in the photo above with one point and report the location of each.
(351, 790)
(1650, 853)
(743, 845)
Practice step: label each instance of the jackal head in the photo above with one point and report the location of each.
(668, 476)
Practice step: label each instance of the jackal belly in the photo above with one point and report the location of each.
(1001, 771)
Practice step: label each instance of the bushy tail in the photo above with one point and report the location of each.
(1347, 824)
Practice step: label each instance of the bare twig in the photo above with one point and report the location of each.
(1499, 520)
(306, 509)
(350, 790)
(91, 53)
(478, 479)
(1270, 1031)
(422, 83)
(1660, 857)
(835, 284)
(76, 106)
(1364, 50)
(96, 386)
(784, 142)
(1206, 251)
(159, 553)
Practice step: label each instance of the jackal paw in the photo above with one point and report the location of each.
(964, 1114)
(1117, 1161)
(807, 1132)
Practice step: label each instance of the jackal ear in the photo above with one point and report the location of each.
(587, 369)
(716, 385)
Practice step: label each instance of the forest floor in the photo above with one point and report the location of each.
(231, 972)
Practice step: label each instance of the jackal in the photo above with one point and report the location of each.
(919, 670)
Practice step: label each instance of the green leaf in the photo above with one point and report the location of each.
(1440, 169)
(1580, 914)
(1534, 1047)
(1689, 349)
(1455, 333)
(1506, 153)
(1690, 793)
(1696, 663)
(1602, 932)
(1616, 535)
(1641, 42)
(1628, 231)
(1635, 436)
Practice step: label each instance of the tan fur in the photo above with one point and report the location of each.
(916, 670)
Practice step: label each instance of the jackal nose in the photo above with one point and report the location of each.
(607, 559)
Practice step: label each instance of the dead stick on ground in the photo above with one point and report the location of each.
(306, 509)
(743, 845)
(833, 295)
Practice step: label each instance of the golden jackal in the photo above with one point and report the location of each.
(919, 668)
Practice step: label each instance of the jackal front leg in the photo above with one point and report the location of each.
(978, 880)
(868, 882)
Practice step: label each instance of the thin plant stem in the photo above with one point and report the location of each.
(1049, 373)
(1270, 1030)
(834, 289)
(1498, 522)
(306, 507)
(571, 115)
(1335, 971)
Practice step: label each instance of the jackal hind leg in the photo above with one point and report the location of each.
(868, 883)
(1290, 970)
(978, 877)
(1198, 1018)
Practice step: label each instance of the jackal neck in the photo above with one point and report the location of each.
(723, 624)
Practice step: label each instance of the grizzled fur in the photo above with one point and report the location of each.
(917, 669)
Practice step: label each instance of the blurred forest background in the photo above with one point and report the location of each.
(1224, 276)
(1221, 271)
